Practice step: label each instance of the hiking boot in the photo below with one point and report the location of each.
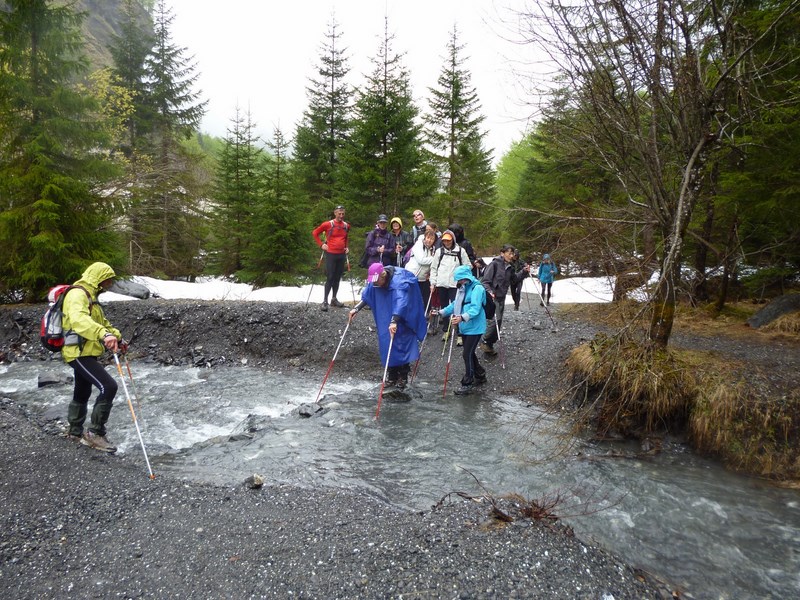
(401, 384)
(390, 383)
(336, 303)
(480, 379)
(488, 349)
(98, 442)
(459, 341)
(324, 307)
(72, 437)
(464, 390)
(444, 337)
(541, 303)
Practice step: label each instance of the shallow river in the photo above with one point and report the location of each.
(712, 533)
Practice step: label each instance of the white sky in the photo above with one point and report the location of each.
(583, 290)
(260, 54)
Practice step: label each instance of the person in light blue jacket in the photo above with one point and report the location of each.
(547, 273)
(469, 316)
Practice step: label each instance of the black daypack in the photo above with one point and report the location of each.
(51, 330)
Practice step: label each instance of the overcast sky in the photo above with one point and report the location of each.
(260, 54)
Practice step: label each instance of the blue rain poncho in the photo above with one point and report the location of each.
(402, 299)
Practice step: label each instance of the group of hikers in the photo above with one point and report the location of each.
(424, 280)
(413, 279)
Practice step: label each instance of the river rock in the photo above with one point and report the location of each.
(126, 287)
(777, 308)
(51, 378)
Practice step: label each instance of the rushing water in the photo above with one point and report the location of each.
(717, 534)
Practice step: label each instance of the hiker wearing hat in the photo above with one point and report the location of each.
(88, 334)
(469, 316)
(378, 246)
(547, 273)
(445, 261)
(401, 242)
(392, 294)
(335, 248)
(498, 278)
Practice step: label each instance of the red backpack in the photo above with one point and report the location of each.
(51, 331)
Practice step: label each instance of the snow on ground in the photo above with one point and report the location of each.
(581, 290)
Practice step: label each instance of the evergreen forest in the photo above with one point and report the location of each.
(665, 151)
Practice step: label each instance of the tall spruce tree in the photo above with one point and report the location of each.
(169, 218)
(279, 236)
(129, 51)
(238, 188)
(385, 165)
(54, 219)
(325, 126)
(453, 129)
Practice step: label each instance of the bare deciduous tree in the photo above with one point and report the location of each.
(659, 86)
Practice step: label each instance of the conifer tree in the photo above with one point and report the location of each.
(325, 126)
(53, 219)
(280, 230)
(238, 189)
(453, 129)
(386, 170)
(129, 52)
(169, 220)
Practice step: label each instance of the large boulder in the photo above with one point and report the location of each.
(126, 287)
(780, 306)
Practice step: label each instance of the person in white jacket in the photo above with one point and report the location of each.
(419, 263)
(445, 261)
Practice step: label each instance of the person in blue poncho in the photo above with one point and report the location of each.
(469, 315)
(393, 295)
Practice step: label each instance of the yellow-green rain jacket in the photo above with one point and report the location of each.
(91, 326)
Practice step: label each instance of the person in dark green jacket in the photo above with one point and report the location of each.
(87, 335)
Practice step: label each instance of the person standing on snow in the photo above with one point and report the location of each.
(468, 315)
(87, 335)
(336, 249)
(393, 295)
(547, 273)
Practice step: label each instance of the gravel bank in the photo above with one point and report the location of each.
(79, 523)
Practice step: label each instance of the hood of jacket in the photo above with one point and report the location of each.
(95, 274)
(464, 272)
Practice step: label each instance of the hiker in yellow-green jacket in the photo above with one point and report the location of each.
(87, 335)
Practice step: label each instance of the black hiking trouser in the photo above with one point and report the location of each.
(334, 269)
(547, 289)
(491, 335)
(474, 372)
(89, 372)
(398, 373)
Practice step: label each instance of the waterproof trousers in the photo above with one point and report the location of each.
(473, 371)
(334, 269)
(89, 372)
(490, 337)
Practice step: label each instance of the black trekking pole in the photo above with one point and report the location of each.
(546, 309)
(319, 262)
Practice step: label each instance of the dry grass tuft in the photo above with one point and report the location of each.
(786, 324)
(628, 389)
